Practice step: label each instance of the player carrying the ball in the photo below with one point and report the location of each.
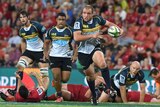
(87, 34)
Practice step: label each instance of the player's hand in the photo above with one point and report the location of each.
(74, 58)
(45, 56)
(121, 31)
(97, 35)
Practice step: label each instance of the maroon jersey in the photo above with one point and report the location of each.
(135, 96)
(78, 92)
(34, 96)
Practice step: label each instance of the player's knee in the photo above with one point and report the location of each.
(44, 72)
(65, 80)
(22, 63)
(102, 65)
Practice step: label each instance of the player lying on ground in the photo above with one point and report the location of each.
(74, 92)
(26, 93)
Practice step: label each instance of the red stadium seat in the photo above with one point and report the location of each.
(145, 29)
(2, 54)
(140, 36)
(155, 29)
(152, 36)
(148, 44)
(133, 29)
(131, 34)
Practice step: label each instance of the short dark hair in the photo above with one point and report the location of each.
(23, 12)
(61, 14)
(153, 71)
(23, 92)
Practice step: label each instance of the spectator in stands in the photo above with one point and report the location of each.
(141, 7)
(15, 39)
(151, 59)
(122, 13)
(119, 64)
(5, 30)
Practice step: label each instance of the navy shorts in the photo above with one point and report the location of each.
(60, 62)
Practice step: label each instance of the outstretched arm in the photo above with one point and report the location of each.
(142, 92)
(123, 93)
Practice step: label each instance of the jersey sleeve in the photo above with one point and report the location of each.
(122, 79)
(48, 36)
(77, 26)
(41, 29)
(101, 21)
(141, 77)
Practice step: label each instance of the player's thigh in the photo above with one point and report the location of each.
(65, 76)
(90, 72)
(66, 69)
(98, 59)
(56, 73)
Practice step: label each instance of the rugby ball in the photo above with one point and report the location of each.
(113, 31)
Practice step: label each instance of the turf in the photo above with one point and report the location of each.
(75, 104)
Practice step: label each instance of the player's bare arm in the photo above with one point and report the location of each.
(142, 92)
(23, 45)
(79, 37)
(123, 93)
(46, 47)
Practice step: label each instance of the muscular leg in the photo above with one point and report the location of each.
(57, 80)
(91, 81)
(65, 76)
(98, 59)
(44, 74)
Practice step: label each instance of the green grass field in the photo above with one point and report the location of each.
(75, 104)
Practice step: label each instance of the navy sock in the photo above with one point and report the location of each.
(106, 77)
(91, 84)
(16, 84)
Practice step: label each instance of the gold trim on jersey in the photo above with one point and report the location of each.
(61, 38)
(30, 36)
(91, 29)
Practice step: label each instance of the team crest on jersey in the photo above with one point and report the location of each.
(85, 26)
(122, 79)
(23, 34)
(77, 25)
(53, 34)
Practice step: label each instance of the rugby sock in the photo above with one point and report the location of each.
(91, 84)
(16, 84)
(106, 77)
(59, 94)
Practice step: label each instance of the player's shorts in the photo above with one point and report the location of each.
(60, 62)
(86, 59)
(78, 92)
(35, 56)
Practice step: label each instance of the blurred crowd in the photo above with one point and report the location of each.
(140, 20)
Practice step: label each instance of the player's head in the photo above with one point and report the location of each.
(23, 17)
(134, 67)
(154, 73)
(61, 20)
(87, 13)
(23, 92)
